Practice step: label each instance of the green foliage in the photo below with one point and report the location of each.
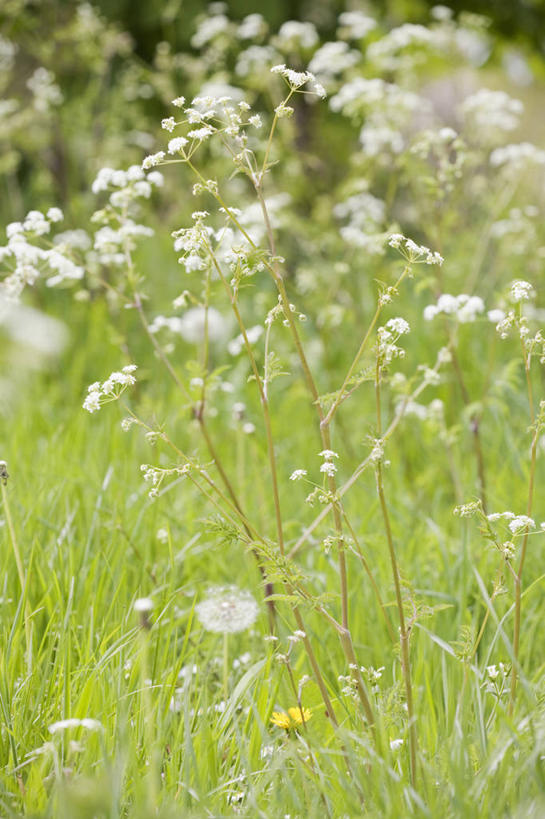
(286, 433)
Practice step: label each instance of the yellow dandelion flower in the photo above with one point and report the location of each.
(291, 720)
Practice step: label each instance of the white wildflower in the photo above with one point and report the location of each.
(329, 468)
(328, 454)
(521, 522)
(175, 145)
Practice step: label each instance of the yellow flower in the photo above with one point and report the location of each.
(291, 720)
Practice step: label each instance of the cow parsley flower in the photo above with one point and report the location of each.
(328, 468)
(116, 384)
(521, 291)
(328, 454)
(521, 522)
(152, 160)
(414, 253)
(175, 145)
(297, 79)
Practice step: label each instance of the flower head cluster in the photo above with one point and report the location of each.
(227, 609)
(463, 308)
(297, 79)
(488, 112)
(27, 258)
(515, 157)
(521, 291)
(415, 254)
(119, 232)
(355, 25)
(328, 467)
(110, 390)
(387, 338)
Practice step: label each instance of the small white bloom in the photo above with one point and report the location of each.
(175, 145)
(152, 160)
(329, 468)
(298, 474)
(143, 604)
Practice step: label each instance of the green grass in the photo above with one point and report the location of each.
(87, 533)
(177, 719)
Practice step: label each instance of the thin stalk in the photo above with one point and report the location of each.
(272, 464)
(474, 424)
(359, 469)
(404, 633)
(314, 393)
(372, 580)
(341, 394)
(199, 415)
(345, 634)
(20, 571)
(524, 546)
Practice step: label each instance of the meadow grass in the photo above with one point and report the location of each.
(88, 536)
(349, 452)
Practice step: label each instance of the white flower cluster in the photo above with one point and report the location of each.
(463, 308)
(332, 59)
(297, 79)
(236, 344)
(491, 111)
(355, 25)
(366, 216)
(227, 610)
(27, 258)
(328, 467)
(387, 338)
(191, 326)
(516, 523)
(156, 475)
(415, 254)
(126, 185)
(294, 34)
(521, 291)
(45, 90)
(385, 51)
(252, 27)
(433, 412)
(387, 110)
(110, 390)
(255, 60)
(111, 244)
(516, 156)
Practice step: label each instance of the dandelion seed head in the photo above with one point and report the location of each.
(227, 610)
